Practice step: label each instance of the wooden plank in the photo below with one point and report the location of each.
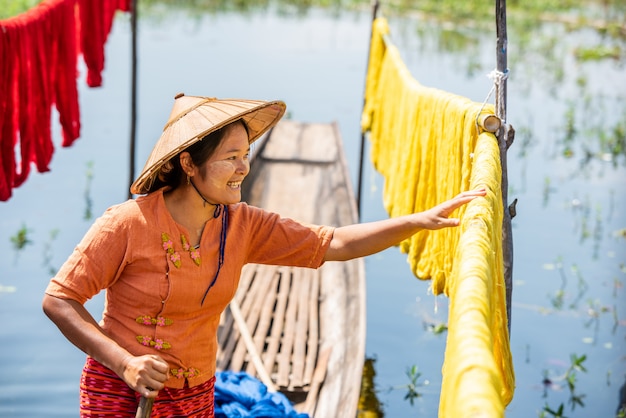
(273, 344)
(265, 318)
(302, 328)
(302, 142)
(286, 347)
(313, 340)
(318, 379)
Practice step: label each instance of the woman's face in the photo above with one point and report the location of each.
(219, 178)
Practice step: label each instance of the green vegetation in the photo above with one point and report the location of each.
(10, 8)
(48, 252)
(413, 384)
(569, 377)
(20, 240)
(88, 200)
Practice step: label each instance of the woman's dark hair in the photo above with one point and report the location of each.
(172, 174)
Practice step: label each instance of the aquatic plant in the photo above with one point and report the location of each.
(412, 393)
(569, 377)
(48, 253)
(88, 200)
(20, 240)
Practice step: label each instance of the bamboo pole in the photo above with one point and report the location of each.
(133, 95)
(145, 404)
(359, 186)
(505, 137)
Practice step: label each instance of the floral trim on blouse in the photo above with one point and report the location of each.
(182, 373)
(159, 321)
(156, 343)
(194, 253)
(174, 256)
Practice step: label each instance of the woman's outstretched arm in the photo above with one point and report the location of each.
(360, 240)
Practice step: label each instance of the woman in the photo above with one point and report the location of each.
(170, 260)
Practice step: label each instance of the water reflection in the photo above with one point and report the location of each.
(621, 405)
(369, 405)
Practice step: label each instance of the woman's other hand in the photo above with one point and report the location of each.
(145, 374)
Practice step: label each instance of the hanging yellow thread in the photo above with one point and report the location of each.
(426, 144)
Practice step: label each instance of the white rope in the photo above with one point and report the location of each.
(498, 78)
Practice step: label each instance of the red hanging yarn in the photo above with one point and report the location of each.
(37, 48)
(96, 20)
(39, 51)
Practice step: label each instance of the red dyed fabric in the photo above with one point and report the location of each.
(38, 69)
(104, 394)
(96, 19)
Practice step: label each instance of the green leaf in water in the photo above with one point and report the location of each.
(20, 239)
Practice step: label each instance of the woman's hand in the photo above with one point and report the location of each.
(360, 240)
(145, 374)
(437, 217)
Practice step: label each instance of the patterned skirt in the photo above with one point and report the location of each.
(104, 394)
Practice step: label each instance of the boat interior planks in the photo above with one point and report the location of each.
(306, 327)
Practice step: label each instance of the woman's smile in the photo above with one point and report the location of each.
(220, 178)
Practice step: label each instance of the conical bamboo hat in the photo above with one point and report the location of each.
(194, 117)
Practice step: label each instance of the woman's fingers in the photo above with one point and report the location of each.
(463, 198)
(439, 214)
(159, 364)
(146, 374)
(468, 195)
(156, 373)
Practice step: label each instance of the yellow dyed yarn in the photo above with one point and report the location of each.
(426, 144)
(478, 374)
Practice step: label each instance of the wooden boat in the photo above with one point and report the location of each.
(301, 329)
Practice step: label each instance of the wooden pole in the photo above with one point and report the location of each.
(145, 407)
(248, 341)
(133, 94)
(145, 404)
(505, 137)
(359, 186)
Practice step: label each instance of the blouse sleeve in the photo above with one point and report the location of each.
(284, 241)
(95, 263)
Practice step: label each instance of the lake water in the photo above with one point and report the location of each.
(570, 249)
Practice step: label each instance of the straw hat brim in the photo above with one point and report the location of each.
(194, 117)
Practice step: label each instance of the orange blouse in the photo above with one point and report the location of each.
(155, 281)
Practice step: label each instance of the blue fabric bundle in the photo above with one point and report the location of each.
(241, 395)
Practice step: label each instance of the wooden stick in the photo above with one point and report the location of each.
(249, 342)
(504, 141)
(359, 186)
(145, 407)
(133, 96)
